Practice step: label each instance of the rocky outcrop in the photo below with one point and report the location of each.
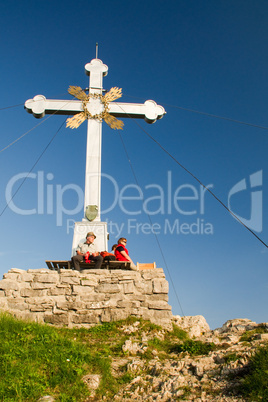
(71, 298)
(212, 377)
(195, 325)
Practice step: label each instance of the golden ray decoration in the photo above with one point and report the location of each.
(78, 93)
(113, 94)
(75, 121)
(113, 122)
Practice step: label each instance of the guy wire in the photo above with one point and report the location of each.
(149, 218)
(27, 132)
(206, 114)
(188, 171)
(38, 159)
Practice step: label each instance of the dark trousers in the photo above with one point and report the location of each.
(76, 259)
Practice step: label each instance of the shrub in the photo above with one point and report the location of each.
(255, 383)
(194, 347)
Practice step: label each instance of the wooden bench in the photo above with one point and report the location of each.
(59, 264)
(142, 266)
(56, 265)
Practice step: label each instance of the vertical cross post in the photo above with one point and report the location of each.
(96, 71)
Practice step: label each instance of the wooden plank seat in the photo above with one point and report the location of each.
(56, 265)
(142, 266)
(59, 264)
(119, 265)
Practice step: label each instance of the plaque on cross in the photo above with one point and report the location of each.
(92, 107)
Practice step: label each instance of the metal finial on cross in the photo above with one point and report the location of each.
(93, 108)
(97, 50)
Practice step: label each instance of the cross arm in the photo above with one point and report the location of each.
(39, 106)
(149, 110)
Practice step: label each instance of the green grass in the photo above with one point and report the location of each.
(231, 357)
(194, 348)
(249, 336)
(37, 359)
(255, 384)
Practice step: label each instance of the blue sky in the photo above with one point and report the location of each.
(209, 57)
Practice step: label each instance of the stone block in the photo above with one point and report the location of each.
(138, 297)
(128, 304)
(40, 300)
(39, 271)
(69, 272)
(59, 291)
(144, 287)
(17, 270)
(25, 292)
(152, 274)
(160, 285)
(95, 305)
(42, 306)
(37, 308)
(158, 305)
(162, 314)
(127, 275)
(144, 303)
(93, 297)
(106, 316)
(89, 282)
(81, 290)
(25, 277)
(94, 272)
(71, 280)
(108, 288)
(17, 304)
(119, 314)
(46, 278)
(72, 298)
(12, 276)
(56, 319)
(128, 287)
(64, 305)
(85, 319)
(41, 285)
(111, 303)
(9, 293)
(108, 280)
(157, 297)
(6, 284)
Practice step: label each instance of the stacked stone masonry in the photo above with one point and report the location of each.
(84, 299)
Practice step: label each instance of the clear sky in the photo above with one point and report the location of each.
(206, 56)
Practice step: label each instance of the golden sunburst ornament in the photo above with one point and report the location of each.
(95, 106)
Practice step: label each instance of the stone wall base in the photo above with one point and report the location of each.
(84, 299)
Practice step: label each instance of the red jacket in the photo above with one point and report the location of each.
(118, 254)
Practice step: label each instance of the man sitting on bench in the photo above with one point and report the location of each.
(87, 249)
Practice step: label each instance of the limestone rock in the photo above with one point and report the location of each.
(237, 325)
(195, 325)
(92, 381)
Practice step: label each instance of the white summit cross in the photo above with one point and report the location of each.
(94, 107)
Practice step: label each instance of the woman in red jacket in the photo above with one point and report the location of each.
(121, 253)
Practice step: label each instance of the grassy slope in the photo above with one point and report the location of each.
(38, 360)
